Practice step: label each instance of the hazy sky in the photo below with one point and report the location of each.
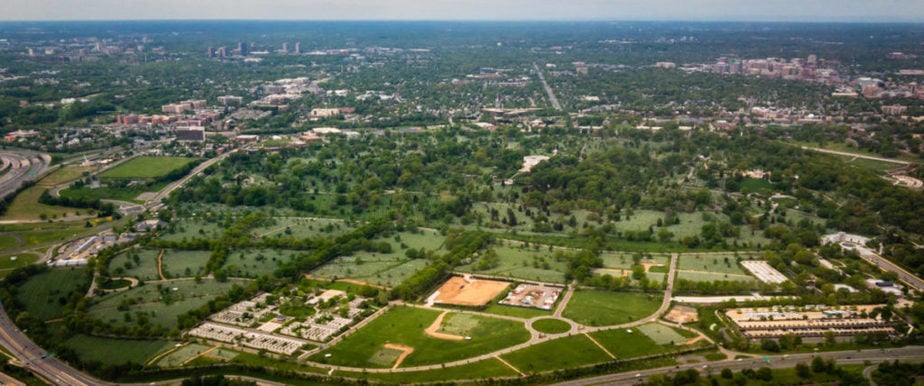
(742, 10)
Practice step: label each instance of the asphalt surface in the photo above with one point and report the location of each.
(911, 353)
(23, 167)
(37, 359)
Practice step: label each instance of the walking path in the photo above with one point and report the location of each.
(600, 346)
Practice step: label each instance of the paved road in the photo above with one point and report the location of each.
(178, 183)
(911, 353)
(548, 89)
(23, 167)
(844, 153)
(884, 264)
(51, 369)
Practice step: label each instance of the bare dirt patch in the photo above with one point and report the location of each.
(468, 291)
(405, 351)
(433, 330)
(682, 314)
(649, 264)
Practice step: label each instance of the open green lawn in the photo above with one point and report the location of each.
(387, 269)
(110, 351)
(720, 263)
(182, 354)
(258, 262)
(713, 276)
(25, 206)
(125, 194)
(140, 263)
(521, 262)
(754, 185)
(551, 326)
(623, 260)
(406, 325)
(8, 262)
(661, 334)
(147, 167)
(45, 294)
(302, 227)
(192, 228)
(8, 241)
(184, 263)
(623, 344)
(159, 302)
(605, 308)
(518, 312)
(572, 351)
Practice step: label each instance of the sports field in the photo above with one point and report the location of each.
(405, 326)
(469, 292)
(147, 167)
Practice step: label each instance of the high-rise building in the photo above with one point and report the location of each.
(210, 52)
(285, 47)
(242, 48)
(298, 48)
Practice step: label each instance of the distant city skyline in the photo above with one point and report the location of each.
(653, 10)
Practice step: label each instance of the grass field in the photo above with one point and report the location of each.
(518, 312)
(259, 262)
(159, 302)
(604, 308)
(623, 344)
(521, 262)
(302, 227)
(8, 241)
(561, 353)
(147, 167)
(551, 326)
(115, 351)
(192, 228)
(8, 262)
(405, 326)
(182, 354)
(661, 334)
(754, 185)
(184, 263)
(144, 267)
(713, 276)
(45, 294)
(720, 263)
(623, 260)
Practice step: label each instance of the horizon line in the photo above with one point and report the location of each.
(576, 20)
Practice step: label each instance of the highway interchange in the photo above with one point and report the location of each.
(18, 168)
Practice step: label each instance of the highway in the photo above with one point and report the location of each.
(910, 353)
(548, 89)
(38, 360)
(22, 167)
(884, 264)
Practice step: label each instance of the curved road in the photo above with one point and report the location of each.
(22, 167)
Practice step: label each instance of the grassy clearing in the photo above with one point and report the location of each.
(25, 206)
(405, 326)
(139, 263)
(64, 174)
(115, 351)
(713, 276)
(259, 262)
(518, 312)
(754, 185)
(8, 241)
(147, 167)
(159, 303)
(45, 294)
(551, 326)
(192, 228)
(661, 334)
(623, 260)
(624, 344)
(177, 357)
(563, 353)
(516, 260)
(9, 262)
(604, 308)
(301, 227)
(184, 263)
(720, 263)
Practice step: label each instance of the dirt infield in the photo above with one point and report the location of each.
(433, 330)
(405, 351)
(682, 314)
(462, 291)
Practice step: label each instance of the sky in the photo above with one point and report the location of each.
(680, 10)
